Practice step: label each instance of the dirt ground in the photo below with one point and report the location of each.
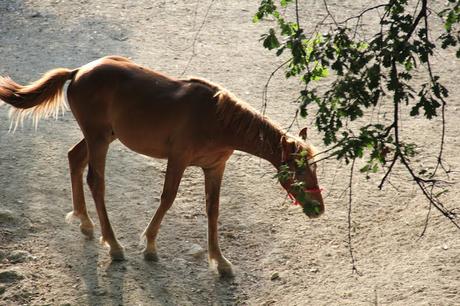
(280, 256)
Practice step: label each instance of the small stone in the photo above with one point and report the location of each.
(100, 292)
(230, 235)
(179, 262)
(10, 276)
(19, 256)
(314, 270)
(195, 250)
(35, 15)
(445, 247)
(274, 276)
(6, 216)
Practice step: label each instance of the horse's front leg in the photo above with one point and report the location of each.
(174, 172)
(213, 180)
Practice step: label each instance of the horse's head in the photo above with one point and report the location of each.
(297, 174)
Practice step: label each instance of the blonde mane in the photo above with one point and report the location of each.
(242, 118)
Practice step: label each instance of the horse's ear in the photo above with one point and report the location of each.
(303, 133)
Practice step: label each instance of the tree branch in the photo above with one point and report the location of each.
(196, 38)
(265, 89)
(350, 201)
(395, 158)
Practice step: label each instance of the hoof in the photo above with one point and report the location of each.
(150, 256)
(225, 270)
(117, 254)
(87, 231)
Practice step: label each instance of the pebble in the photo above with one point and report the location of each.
(445, 247)
(35, 15)
(100, 292)
(6, 216)
(195, 250)
(19, 256)
(10, 276)
(275, 275)
(179, 262)
(314, 270)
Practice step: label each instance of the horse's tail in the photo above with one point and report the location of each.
(42, 98)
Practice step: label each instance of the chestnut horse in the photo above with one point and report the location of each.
(188, 122)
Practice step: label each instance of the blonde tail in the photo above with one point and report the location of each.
(41, 99)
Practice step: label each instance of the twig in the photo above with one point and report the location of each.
(427, 219)
(329, 13)
(196, 38)
(362, 13)
(297, 14)
(443, 106)
(265, 90)
(417, 20)
(350, 200)
(293, 120)
(390, 168)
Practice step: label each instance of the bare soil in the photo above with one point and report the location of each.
(280, 256)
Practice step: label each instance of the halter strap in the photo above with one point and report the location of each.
(310, 190)
(314, 190)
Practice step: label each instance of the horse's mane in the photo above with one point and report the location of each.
(244, 120)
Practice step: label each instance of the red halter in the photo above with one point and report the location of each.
(309, 190)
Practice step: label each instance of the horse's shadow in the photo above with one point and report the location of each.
(155, 283)
(100, 290)
(205, 288)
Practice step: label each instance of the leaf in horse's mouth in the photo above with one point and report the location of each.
(311, 207)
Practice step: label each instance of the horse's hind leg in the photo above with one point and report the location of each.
(78, 159)
(213, 180)
(98, 147)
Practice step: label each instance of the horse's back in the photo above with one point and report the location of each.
(148, 111)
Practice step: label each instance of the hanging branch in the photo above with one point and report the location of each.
(195, 38)
(350, 201)
(365, 73)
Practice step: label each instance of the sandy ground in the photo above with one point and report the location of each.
(44, 261)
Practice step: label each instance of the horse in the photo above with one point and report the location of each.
(189, 122)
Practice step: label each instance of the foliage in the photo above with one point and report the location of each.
(298, 189)
(365, 74)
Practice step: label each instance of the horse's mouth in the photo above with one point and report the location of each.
(313, 209)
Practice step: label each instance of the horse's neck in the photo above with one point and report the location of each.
(263, 141)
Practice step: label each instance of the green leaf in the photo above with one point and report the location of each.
(270, 41)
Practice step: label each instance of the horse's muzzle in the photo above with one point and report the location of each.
(314, 208)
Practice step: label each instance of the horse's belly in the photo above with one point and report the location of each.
(148, 140)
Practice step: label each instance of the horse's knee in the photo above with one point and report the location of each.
(77, 158)
(93, 179)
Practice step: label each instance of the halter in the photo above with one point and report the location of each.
(284, 161)
(309, 190)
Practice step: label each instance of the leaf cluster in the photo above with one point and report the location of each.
(366, 74)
